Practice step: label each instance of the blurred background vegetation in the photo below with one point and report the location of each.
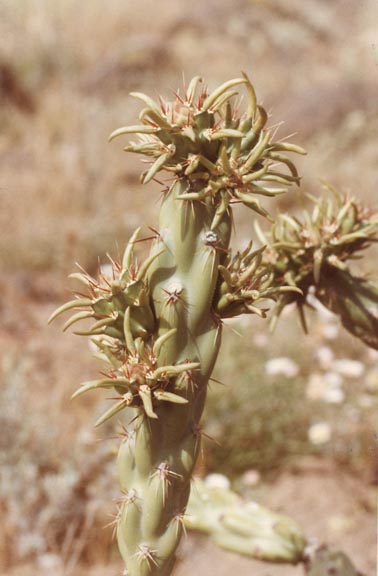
(293, 421)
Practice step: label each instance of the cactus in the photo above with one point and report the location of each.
(244, 527)
(158, 325)
(313, 251)
(247, 528)
(324, 561)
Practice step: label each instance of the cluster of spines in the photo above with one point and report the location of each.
(140, 381)
(222, 155)
(246, 282)
(111, 297)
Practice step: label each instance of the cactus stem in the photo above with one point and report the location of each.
(161, 340)
(287, 147)
(252, 101)
(128, 254)
(147, 263)
(78, 303)
(141, 129)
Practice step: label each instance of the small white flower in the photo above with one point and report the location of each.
(30, 543)
(334, 396)
(49, 562)
(350, 368)
(365, 401)
(261, 340)
(319, 433)
(217, 481)
(325, 356)
(282, 365)
(315, 386)
(333, 379)
(331, 331)
(372, 354)
(325, 387)
(371, 382)
(251, 478)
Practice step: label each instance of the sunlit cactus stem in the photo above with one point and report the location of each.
(159, 325)
(158, 469)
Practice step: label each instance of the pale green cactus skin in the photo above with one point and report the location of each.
(158, 469)
(244, 527)
(159, 325)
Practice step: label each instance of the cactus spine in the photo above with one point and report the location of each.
(159, 325)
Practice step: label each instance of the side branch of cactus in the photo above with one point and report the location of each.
(247, 528)
(313, 251)
(244, 527)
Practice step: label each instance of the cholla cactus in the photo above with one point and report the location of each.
(313, 251)
(159, 325)
(323, 560)
(244, 527)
